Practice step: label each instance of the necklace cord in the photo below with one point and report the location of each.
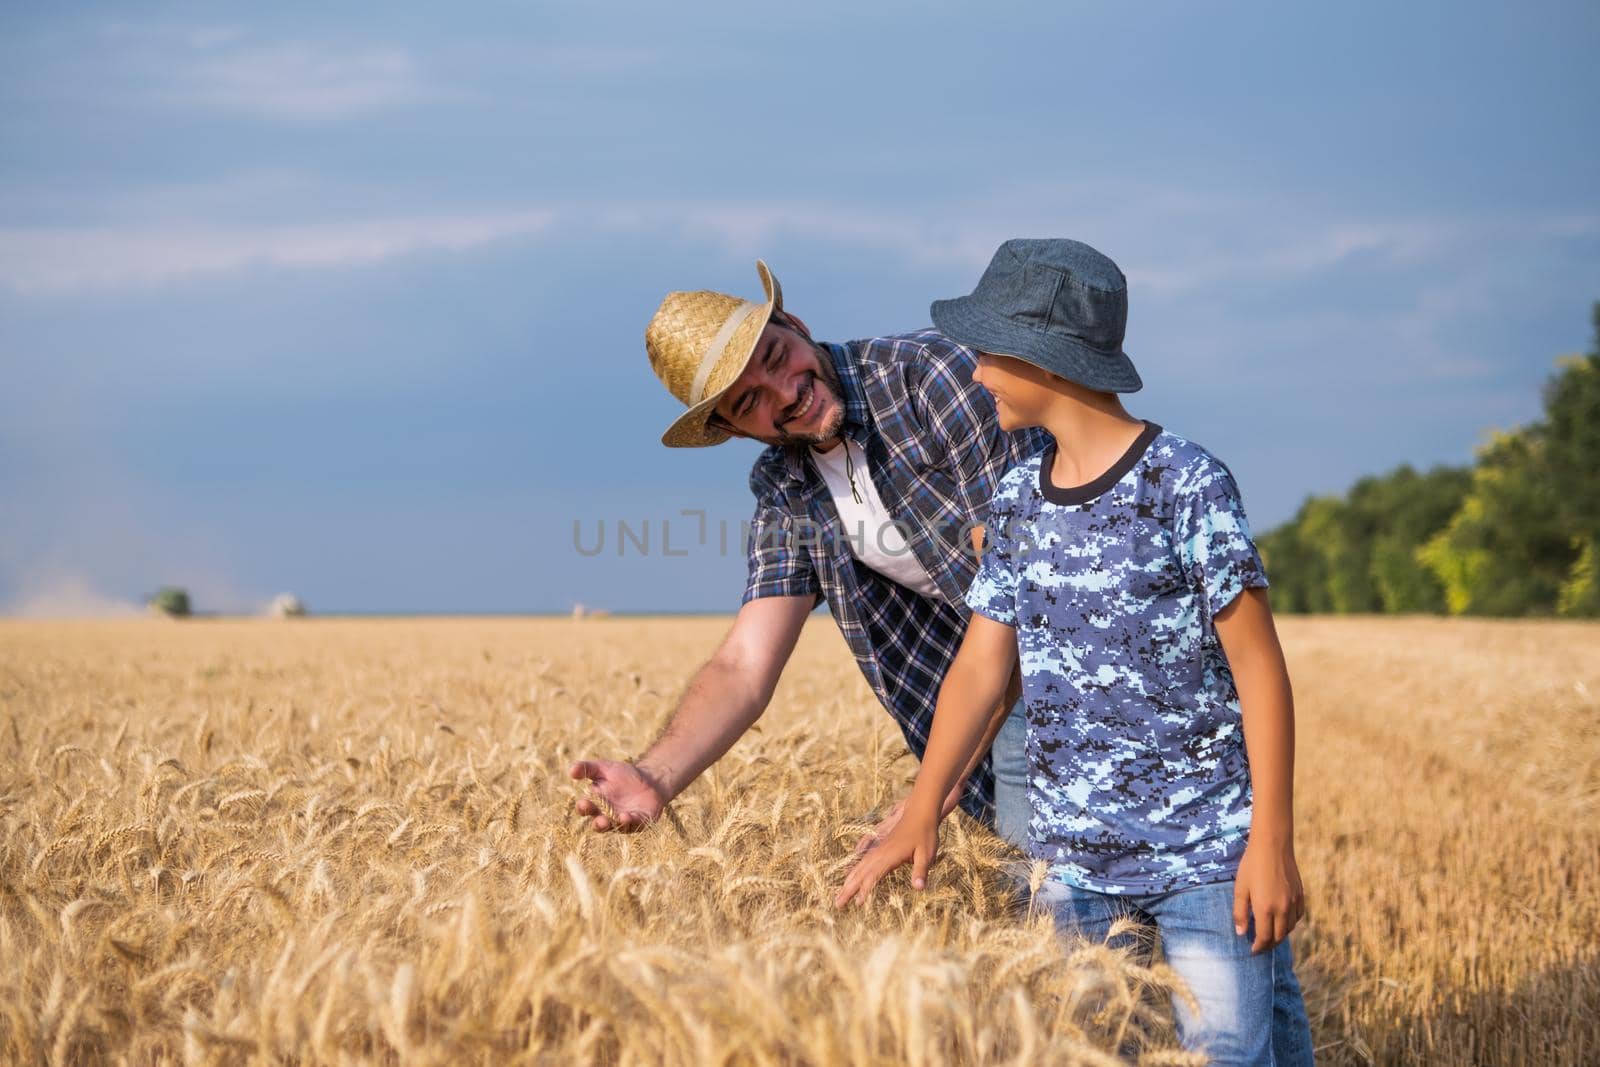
(850, 472)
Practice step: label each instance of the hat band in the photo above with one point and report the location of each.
(718, 343)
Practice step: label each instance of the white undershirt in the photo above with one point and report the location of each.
(868, 526)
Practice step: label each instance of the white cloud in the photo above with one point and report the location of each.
(567, 60)
(1170, 243)
(46, 260)
(299, 82)
(1195, 261)
(1190, 256)
(192, 37)
(747, 229)
(225, 68)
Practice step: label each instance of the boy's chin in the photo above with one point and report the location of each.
(1010, 420)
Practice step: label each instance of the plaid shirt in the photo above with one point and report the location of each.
(936, 453)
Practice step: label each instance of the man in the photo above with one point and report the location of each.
(882, 458)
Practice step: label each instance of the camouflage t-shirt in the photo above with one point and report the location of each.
(1136, 760)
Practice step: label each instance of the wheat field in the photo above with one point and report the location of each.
(350, 841)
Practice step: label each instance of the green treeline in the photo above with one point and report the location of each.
(1518, 533)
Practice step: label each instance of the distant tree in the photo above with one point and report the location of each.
(1580, 593)
(1525, 540)
(1295, 568)
(1341, 534)
(1518, 534)
(1571, 431)
(1406, 510)
(1359, 554)
(170, 600)
(1505, 552)
(1572, 450)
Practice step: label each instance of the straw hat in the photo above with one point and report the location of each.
(699, 343)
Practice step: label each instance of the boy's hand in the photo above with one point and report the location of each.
(887, 824)
(913, 840)
(1268, 885)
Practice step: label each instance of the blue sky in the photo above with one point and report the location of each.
(350, 302)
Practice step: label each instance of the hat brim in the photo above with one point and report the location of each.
(968, 323)
(692, 429)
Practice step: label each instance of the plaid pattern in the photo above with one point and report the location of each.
(936, 453)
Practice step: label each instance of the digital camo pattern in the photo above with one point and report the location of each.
(1137, 768)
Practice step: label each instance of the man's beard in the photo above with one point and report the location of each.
(826, 376)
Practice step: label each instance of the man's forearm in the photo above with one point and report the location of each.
(719, 705)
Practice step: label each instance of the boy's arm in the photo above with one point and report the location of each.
(1268, 881)
(1013, 692)
(886, 825)
(879, 833)
(969, 701)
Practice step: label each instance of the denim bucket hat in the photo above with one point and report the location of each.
(1055, 303)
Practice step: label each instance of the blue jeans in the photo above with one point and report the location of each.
(1251, 1010)
(1009, 756)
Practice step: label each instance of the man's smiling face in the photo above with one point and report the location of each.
(789, 392)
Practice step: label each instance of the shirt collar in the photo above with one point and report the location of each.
(857, 412)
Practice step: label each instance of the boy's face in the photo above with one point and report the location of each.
(1021, 390)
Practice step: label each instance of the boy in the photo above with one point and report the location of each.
(1120, 565)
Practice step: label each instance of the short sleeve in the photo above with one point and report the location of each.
(993, 592)
(1214, 542)
(778, 551)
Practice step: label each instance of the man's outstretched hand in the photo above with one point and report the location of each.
(634, 800)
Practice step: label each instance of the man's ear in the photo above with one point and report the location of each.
(720, 423)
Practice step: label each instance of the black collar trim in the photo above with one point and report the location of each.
(1082, 494)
